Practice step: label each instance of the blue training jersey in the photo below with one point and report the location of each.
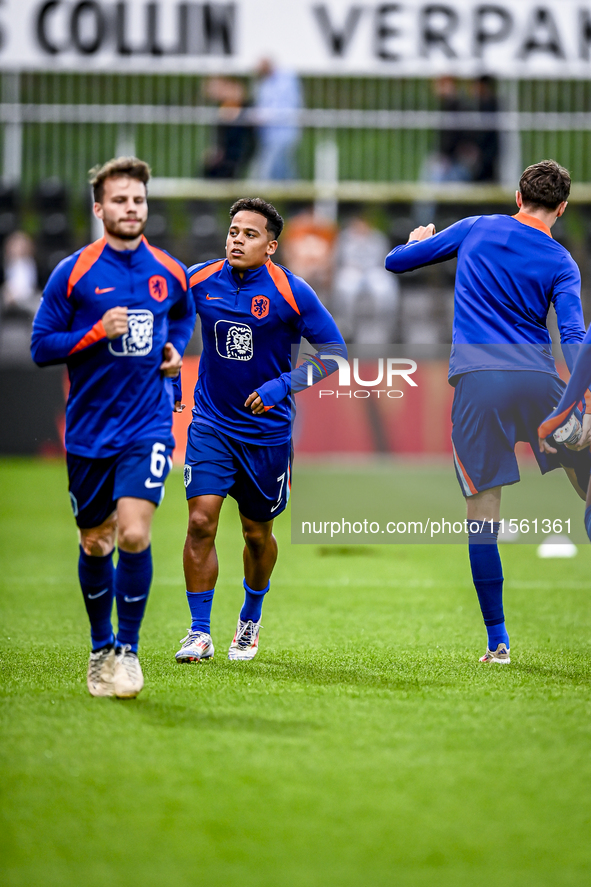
(117, 392)
(509, 271)
(251, 326)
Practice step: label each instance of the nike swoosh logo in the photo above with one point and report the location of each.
(150, 484)
(134, 600)
(212, 298)
(91, 597)
(107, 289)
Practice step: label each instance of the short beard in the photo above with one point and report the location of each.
(112, 228)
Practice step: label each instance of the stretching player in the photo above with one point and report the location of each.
(119, 313)
(509, 271)
(253, 313)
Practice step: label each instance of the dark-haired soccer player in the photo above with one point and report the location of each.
(119, 313)
(509, 271)
(253, 313)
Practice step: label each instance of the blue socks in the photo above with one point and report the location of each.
(487, 575)
(96, 581)
(200, 604)
(133, 578)
(253, 603)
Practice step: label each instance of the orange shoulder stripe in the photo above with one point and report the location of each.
(94, 335)
(169, 263)
(84, 263)
(206, 272)
(551, 425)
(279, 278)
(526, 219)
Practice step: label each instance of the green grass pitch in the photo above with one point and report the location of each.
(364, 745)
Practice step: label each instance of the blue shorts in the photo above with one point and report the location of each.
(492, 410)
(258, 477)
(96, 484)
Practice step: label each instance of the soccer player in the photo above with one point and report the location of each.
(253, 314)
(119, 313)
(509, 271)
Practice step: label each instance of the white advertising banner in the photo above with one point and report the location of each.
(508, 38)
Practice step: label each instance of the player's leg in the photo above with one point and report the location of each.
(91, 495)
(262, 491)
(200, 565)
(209, 475)
(483, 436)
(259, 557)
(483, 513)
(138, 488)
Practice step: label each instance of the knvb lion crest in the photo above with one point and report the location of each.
(259, 306)
(137, 341)
(233, 340)
(158, 287)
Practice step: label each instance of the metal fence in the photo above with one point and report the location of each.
(382, 130)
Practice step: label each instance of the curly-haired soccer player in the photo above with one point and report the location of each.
(119, 313)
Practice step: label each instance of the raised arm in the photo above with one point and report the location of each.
(431, 248)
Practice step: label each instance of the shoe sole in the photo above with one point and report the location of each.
(494, 661)
(192, 658)
(128, 695)
(107, 692)
(238, 657)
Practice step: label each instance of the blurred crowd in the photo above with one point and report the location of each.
(256, 136)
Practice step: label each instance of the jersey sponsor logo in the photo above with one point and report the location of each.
(233, 340)
(259, 306)
(158, 287)
(212, 298)
(107, 289)
(137, 341)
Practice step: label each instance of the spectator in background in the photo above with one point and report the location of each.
(234, 137)
(20, 291)
(278, 99)
(486, 139)
(308, 249)
(365, 294)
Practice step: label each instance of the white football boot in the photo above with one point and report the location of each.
(500, 655)
(128, 679)
(196, 646)
(246, 640)
(99, 677)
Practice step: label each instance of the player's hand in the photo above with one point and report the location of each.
(255, 403)
(115, 322)
(172, 362)
(422, 232)
(178, 406)
(585, 438)
(545, 447)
